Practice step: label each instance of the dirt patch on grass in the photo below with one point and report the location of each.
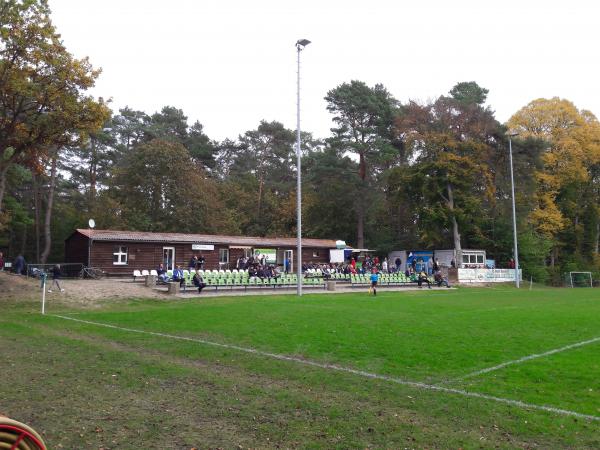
(16, 288)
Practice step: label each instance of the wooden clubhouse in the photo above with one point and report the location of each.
(122, 252)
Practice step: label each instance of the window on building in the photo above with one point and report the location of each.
(248, 252)
(479, 259)
(224, 256)
(119, 255)
(315, 253)
(465, 259)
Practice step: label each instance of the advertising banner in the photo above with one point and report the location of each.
(269, 254)
(487, 275)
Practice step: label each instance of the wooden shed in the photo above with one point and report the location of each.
(122, 252)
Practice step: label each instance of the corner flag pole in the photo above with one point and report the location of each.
(44, 293)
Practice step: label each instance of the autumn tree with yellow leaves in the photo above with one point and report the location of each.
(568, 185)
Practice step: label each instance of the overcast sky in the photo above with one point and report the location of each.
(230, 64)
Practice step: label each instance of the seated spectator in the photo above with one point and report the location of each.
(198, 281)
(423, 279)
(178, 276)
(276, 272)
(162, 273)
(440, 280)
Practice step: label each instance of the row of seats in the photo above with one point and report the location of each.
(240, 279)
(397, 279)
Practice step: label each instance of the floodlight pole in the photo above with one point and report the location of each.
(514, 214)
(300, 44)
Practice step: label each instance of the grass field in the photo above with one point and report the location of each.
(88, 386)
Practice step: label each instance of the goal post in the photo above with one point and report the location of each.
(580, 279)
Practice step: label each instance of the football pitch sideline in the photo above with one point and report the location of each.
(466, 368)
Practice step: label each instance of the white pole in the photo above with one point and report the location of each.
(512, 186)
(44, 294)
(300, 44)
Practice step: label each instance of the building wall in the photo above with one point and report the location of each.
(144, 255)
(76, 249)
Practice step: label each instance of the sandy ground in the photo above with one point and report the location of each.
(80, 292)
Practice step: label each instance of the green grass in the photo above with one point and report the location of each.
(70, 379)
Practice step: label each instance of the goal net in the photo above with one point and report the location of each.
(579, 279)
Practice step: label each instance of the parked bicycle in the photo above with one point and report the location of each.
(91, 272)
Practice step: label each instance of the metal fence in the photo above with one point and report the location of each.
(68, 270)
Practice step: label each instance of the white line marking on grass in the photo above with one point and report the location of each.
(526, 358)
(415, 384)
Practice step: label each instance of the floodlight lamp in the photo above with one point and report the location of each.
(512, 133)
(302, 43)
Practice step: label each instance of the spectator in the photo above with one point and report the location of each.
(353, 264)
(178, 276)
(384, 266)
(429, 266)
(453, 263)
(56, 273)
(413, 264)
(193, 263)
(198, 281)
(201, 261)
(440, 280)
(162, 273)
(19, 264)
(1, 261)
(423, 279)
(398, 263)
(436, 265)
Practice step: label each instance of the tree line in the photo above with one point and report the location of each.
(390, 175)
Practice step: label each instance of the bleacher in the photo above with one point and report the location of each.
(240, 279)
(232, 279)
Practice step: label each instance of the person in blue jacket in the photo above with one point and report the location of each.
(374, 280)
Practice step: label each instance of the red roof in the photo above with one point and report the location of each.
(146, 236)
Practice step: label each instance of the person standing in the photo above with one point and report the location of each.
(193, 263)
(201, 261)
(56, 274)
(429, 266)
(19, 264)
(374, 280)
(384, 265)
(398, 263)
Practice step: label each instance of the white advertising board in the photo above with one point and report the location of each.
(336, 256)
(487, 275)
(203, 247)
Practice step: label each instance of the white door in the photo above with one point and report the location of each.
(169, 258)
(289, 257)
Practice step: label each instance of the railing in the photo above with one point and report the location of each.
(68, 270)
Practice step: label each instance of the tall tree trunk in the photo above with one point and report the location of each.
(261, 183)
(3, 172)
(24, 240)
(360, 226)
(455, 230)
(93, 176)
(48, 219)
(36, 210)
(597, 238)
(360, 207)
